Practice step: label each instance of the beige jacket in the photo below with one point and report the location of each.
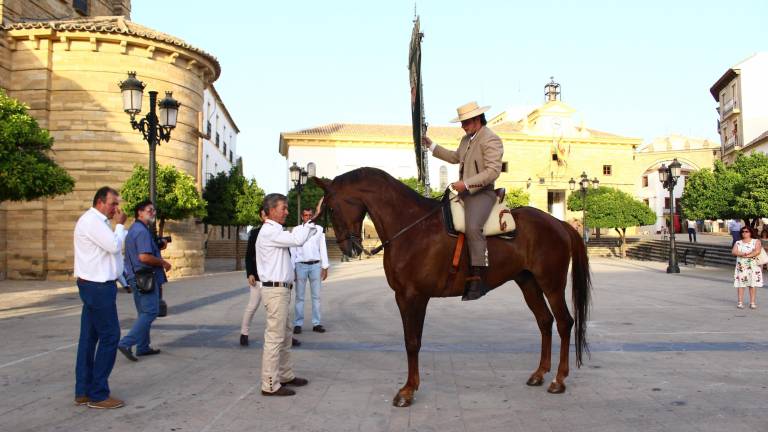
(480, 159)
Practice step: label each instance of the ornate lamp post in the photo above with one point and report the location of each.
(153, 128)
(668, 176)
(299, 178)
(584, 184)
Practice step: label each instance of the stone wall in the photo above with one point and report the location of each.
(70, 81)
(21, 10)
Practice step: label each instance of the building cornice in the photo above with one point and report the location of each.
(126, 34)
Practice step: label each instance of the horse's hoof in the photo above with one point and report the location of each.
(535, 380)
(556, 388)
(401, 401)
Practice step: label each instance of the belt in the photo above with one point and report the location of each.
(277, 284)
(309, 262)
(87, 281)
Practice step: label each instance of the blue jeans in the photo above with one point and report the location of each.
(98, 325)
(147, 307)
(304, 272)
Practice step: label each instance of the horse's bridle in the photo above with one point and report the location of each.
(357, 241)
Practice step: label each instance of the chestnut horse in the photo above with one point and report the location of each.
(417, 264)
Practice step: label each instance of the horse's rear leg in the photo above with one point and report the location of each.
(412, 311)
(534, 297)
(564, 325)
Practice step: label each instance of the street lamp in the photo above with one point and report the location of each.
(299, 178)
(153, 128)
(584, 185)
(668, 176)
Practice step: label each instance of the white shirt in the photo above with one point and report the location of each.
(734, 225)
(273, 257)
(313, 250)
(98, 249)
(691, 224)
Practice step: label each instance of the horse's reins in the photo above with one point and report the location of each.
(377, 249)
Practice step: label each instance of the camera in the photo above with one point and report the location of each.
(160, 240)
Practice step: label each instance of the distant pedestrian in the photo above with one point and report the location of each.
(97, 255)
(734, 226)
(691, 231)
(142, 252)
(747, 272)
(311, 264)
(276, 273)
(764, 241)
(254, 299)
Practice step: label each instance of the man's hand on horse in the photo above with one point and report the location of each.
(426, 142)
(459, 186)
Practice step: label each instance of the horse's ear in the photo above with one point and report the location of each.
(324, 184)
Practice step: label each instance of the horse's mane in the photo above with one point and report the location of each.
(377, 175)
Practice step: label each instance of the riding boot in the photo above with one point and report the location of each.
(475, 286)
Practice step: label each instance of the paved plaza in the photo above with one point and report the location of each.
(669, 353)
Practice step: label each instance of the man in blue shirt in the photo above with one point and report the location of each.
(142, 252)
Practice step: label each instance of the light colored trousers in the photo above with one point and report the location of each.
(477, 208)
(306, 272)
(253, 304)
(276, 365)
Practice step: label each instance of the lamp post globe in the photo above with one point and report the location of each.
(132, 91)
(169, 111)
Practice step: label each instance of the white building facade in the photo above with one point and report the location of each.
(741, 94)
(220, 136)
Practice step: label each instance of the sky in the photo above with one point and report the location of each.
(639, 69)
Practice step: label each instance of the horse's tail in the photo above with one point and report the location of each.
(581, 284)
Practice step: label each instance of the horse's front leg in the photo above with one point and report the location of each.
(412, 311)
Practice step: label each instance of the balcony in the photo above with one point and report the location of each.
(730, 143)
(730, 107)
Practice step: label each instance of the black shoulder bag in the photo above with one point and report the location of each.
(145, 278)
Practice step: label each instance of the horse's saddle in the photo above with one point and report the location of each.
(500, 222)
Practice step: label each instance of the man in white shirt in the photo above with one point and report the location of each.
(98, 256)
(691, 231)
(311, 262)
(734, 226)
(275, 269)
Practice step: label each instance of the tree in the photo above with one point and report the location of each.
(517, 198)
(233, 200)
(612, 208)
(26, 170)
(310, 196)
(735, 191)
(177, 196)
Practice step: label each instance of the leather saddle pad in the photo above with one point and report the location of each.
(500, 221)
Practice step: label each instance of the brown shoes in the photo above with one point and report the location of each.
(282, 391)
(108, 403)
(82, 400)
(297, 382)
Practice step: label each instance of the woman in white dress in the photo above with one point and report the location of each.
(748, 272)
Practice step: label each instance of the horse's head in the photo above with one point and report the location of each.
(346, 212)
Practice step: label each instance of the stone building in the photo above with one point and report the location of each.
(64, 59)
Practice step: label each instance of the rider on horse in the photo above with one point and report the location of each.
(479, 157)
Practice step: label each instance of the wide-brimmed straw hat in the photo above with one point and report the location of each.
(467, 111)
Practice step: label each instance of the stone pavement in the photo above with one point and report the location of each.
(669, 353)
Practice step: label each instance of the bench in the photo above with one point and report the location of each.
(697, 255)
